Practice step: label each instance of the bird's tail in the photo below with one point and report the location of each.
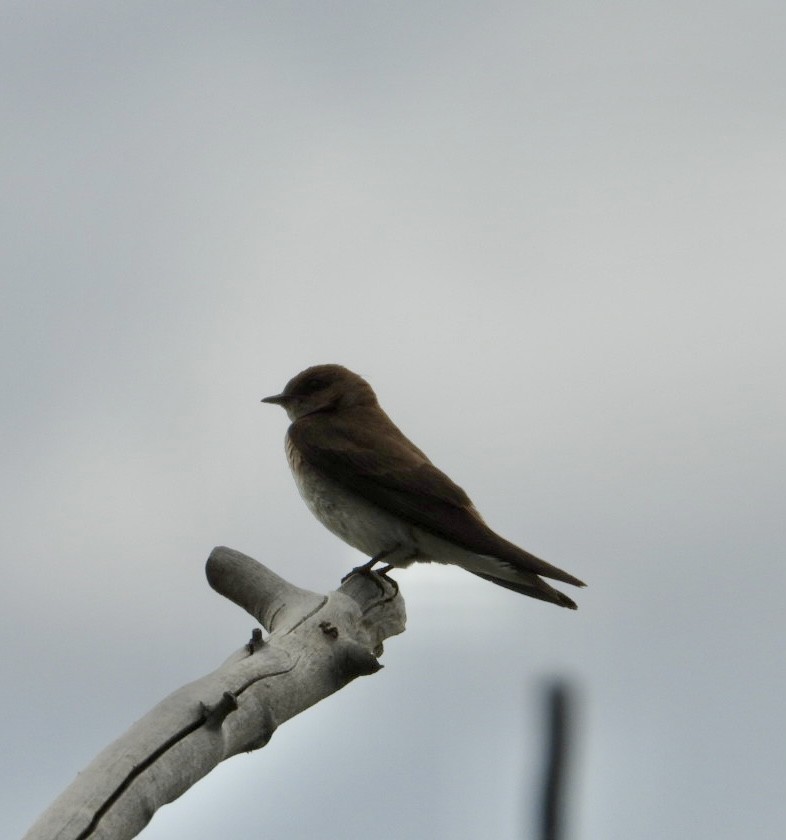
(526, 562)
(533, 586)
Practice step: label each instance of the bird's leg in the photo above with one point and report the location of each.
(383, 573)
(368, 569)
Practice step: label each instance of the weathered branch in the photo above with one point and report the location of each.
(317, 644)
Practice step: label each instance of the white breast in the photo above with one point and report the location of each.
(362, 524)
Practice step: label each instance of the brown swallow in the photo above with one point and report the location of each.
(368, 484)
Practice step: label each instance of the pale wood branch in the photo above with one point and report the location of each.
(317, 644)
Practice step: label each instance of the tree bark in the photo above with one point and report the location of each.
(316, 645)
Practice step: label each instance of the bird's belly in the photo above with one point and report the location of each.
(362, 524)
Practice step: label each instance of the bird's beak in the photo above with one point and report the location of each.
(276, 399)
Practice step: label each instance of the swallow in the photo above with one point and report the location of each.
(372, 487)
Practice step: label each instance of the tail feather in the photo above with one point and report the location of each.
(527, 562)
(540, 590)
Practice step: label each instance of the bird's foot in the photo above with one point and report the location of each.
(368, 572)
(367, 569)
(384, 573)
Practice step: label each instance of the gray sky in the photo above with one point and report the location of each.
(551, 236)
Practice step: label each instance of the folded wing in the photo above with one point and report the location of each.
(401, 480)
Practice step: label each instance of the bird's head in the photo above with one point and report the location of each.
(323, 388)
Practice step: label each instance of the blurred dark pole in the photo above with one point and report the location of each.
(559, 713)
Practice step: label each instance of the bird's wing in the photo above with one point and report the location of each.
(398, 477)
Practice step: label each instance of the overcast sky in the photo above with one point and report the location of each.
(551, 235)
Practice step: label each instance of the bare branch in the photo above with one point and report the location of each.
(317, 644)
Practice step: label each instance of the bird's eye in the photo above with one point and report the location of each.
(313, 384)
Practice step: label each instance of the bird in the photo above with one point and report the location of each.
(373, 488)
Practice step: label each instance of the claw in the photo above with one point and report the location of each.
(367, 567)
(383, 573)
(368, 570)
